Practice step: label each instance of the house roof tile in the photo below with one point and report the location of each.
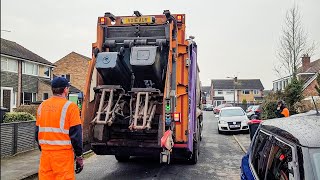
(14, 49)
(242, 84)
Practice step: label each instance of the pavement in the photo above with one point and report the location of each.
(20, 166)
(220, 158)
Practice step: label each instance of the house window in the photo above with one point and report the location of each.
(245, 92)
(229, 92)
(14, 99)
(255, 91)
(46, 72)
(29, 97)
(30, 68)
(220, 92)
(67, 76)
(9, 65)
(45, 96)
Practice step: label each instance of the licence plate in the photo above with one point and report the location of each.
(234, 126)
(138, 20)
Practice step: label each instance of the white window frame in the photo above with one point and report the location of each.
(43, 95)
(24, 68)
(43, 75)
(32, 95)
(11, 103)
(7, 66)
(255, 91)
(65, 76)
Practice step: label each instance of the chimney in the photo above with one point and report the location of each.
(305, 62)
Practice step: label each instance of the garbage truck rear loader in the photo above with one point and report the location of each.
(142, 92)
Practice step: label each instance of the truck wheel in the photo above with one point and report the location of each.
(122, 158)
(196, 148)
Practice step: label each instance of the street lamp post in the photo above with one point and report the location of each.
(235, 79)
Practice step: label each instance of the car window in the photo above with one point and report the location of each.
(315, 156)
(280, 156)
(260, 154)
(231, 112)
(248, 109)
(228, 105)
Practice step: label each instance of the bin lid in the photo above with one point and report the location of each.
(254, 121)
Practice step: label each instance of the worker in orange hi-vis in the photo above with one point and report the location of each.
(59, 134)
(282, 110)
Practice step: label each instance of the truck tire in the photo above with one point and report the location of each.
(196, 147)
(122, 158)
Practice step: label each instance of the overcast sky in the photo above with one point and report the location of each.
(234, 37)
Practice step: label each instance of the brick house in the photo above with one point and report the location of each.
(308, 73)
(66, 67)
(222, 91)
(21, 71)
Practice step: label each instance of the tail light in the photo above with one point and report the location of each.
(176, 117)
(102, 20)
(257, 111)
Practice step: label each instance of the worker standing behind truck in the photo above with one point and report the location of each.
(282, 110)
(59, 133)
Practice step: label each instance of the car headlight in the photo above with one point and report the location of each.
(245, 122)
(222, 122)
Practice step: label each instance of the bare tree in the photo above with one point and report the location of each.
(293, 44)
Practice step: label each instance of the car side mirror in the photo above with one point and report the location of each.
(216, 116)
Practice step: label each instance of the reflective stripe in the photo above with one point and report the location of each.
(64, 113)
(55, 142)
(39, 109)
(55, 130)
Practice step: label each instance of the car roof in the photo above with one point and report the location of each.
(302, 129)
(225, 108)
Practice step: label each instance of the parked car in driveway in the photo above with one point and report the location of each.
(232, 119)
(208, 107)
(216, 110)
(253, 110)
(284, 149)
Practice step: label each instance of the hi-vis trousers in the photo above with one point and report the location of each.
(56, 165)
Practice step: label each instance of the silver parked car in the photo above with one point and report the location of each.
(232, 119)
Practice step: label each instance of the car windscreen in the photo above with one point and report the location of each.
(231, 112)
(315, 161)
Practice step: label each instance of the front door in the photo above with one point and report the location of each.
(6, 98)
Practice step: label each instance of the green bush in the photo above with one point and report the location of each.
(244, 101)
(32, 109)
(269, 105)
(18, 117)
(318, 87)
(268, 109)
(293, 94)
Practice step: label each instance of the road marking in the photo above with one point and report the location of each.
(241, 146)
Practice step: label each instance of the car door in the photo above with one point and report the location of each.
(260, 154)
(282, 161)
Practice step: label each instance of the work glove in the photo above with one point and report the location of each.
(79, 164)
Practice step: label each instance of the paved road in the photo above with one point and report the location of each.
(220, 157)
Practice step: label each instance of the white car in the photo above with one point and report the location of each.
(232, 119)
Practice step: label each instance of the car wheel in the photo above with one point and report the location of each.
(219, 132)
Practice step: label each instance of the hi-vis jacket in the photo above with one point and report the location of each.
(58, 125)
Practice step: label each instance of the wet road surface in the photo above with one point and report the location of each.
(220, 158)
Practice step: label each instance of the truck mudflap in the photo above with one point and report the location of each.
(167, 145)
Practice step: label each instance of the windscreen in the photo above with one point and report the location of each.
(231, 112)
(315, 160)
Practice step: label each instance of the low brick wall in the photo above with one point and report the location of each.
(17, 137)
